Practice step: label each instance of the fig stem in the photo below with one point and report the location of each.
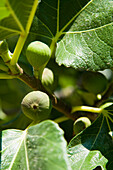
(86, 109)
(6, 76)
(32, 124)
(64, 108)
(18, 49)
(7, 58)
(61, 119)
(4, 68)
(53, 47)
(38, 73)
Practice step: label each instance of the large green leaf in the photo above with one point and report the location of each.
(19, 20)
(92, 147)
(41, 146)
(88, 44)
(83, 30)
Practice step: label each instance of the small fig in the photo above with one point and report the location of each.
(36, 105)
(80, 124)
(38, 54)
(94, 82)
(48, 79)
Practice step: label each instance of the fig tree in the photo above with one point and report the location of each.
(36, 105)
(38, 54)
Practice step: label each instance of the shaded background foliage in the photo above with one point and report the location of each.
(79, 34)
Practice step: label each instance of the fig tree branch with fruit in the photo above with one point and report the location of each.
(56, 84)
(38, 55)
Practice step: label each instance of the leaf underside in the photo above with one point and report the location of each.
(17, 20)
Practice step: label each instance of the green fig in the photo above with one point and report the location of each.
(94, 82)
(80, 124)
(36, 105)
(48, 79)
(38, 55)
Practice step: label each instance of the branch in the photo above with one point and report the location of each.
(58, 104)
(30, 81)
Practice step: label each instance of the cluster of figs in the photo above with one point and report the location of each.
(36, 105)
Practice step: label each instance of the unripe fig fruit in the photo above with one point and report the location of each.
(80, 124)
(48, 80)
(36, 105)
(38, 54)
(94, 82)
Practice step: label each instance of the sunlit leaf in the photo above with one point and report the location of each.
(88, 44)
(41, 146)
(87, 28)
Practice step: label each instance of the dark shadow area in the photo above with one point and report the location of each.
(0, 145)
(103, 143)
(98, 168)
(96, 138)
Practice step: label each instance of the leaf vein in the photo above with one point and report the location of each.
(93, 55)
(15, 17)
(9, 29)
(17, 150)
(98, 133)
(26, 154)
(84, 31)
(49, 5)
(46, 27)
(72, 19)
(102, 40)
